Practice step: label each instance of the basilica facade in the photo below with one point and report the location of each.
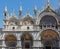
(41, 31)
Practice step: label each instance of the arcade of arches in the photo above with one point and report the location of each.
(26, 40)
(47, 36)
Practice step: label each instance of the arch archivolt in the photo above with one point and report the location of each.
(10, 37)
(10, 40)
(47, 13)
(26, 40)
(40, 32)
(52, 33)
(13, 34)
(26, 35)
(49, 37)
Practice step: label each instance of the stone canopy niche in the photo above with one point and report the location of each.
(10, 40)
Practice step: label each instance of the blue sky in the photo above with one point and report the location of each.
(28, 6)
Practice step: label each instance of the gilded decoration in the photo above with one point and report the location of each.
(50, 33)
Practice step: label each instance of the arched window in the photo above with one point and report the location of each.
(48, 19)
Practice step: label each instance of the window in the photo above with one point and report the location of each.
(28, 28)
(5, 14)
(47, 19)
(13, 28)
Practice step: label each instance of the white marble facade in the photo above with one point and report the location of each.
(28, 31)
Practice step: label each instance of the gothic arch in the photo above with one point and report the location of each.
(10, 40)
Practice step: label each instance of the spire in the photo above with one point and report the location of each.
(5, 12)
(5, 9)
(12, 11)
(21, 8)
(35, 8)
(35, 11)
(20, 11)
(48, 3)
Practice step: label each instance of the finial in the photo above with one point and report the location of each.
(20, 11)
(21, 8)
(5, 13)
(48, 2)
(12, 11)
(5, 9)
(35, 8)
(35, 11)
